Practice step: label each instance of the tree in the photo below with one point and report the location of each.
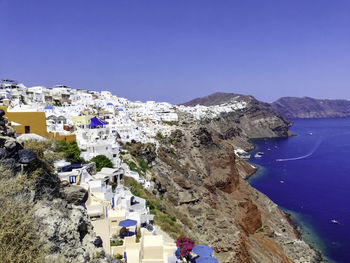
(102, 161)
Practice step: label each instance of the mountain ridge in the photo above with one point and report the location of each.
(289, 107)
(307, 107)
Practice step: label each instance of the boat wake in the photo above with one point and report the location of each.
(314, 149)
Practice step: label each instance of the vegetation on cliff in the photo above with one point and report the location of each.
(166, 216)
(102, 161)
(70, 150)
(19, 239)
(44, 150)
(197, 175)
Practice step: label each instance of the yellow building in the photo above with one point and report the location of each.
(81, 120)
(34, 122)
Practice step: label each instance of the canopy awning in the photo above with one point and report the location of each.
(70, 167)
(128, 223)
(95, 122)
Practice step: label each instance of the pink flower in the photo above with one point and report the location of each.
(185, 244)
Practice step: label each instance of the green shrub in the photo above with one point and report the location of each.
(118, 256)
(159, 136)
(117, 243)
(102, 161)
(132, 166)
(143, 165)
(70, 151)
(138, 235)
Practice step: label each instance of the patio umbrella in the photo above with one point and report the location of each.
(128, 223)
(206, 260)
(203, 250)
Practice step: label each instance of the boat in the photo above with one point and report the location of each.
(257, 155)
(260, 153)
(245, 156)
(279, 160)
(335, 221)
(282, 182)
(310, 133)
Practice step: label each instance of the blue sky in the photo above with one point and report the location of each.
(176, 50)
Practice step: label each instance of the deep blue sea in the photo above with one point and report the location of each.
(311, 180)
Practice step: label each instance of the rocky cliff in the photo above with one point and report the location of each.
(256, 120)
(292, 107)
(196, 171)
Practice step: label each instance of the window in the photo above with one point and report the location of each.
(72, 179)
(26, 129)
(115, 155)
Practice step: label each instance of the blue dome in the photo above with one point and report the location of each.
(109, 104)
(48, 108)
(120, 109)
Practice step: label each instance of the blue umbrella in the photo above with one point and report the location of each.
(206, 260)
(128, 223)
(203, 250)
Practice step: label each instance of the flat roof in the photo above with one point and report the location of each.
(152, 241)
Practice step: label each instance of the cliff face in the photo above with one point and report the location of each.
(306, 107)
(256, 120)
(197, 171)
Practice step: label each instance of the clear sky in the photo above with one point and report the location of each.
(176, 50)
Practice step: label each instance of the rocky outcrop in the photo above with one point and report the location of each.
(68, 233)
(197, 171)
(292, 107)
(74, 194)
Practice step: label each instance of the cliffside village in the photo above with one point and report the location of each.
(99, 122)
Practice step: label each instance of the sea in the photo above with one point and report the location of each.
(308, 176)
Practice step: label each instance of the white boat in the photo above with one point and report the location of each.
(335, 221)
(282, 182)
(257, 155)
(245, 156)
(310, 133)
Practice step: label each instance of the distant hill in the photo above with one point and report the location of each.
(217, 98)
(293, 107)
(255, 112)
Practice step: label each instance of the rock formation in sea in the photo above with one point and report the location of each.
(292, 107)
